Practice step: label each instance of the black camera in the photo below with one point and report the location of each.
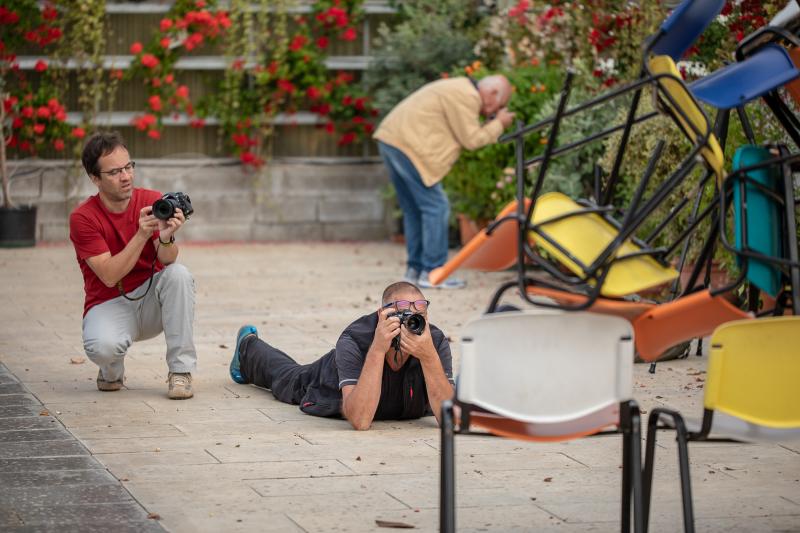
(415, 323)
(164, 208)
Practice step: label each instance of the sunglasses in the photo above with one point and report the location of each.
(402, 305)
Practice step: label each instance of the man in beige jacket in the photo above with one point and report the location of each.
(420, 140)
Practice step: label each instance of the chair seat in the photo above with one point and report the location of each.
(693, 316)
(605, 306)
(738, 83)
(497, 251)
(764, 229)
(585, 236)
(725, 426)
(602, 419)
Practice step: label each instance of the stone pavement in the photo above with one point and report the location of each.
(235, 459)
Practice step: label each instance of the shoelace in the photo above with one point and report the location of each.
(181, 381)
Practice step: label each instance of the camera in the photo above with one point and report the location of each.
(164, 208)
(415, 323)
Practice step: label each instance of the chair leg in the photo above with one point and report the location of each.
(625, 518)
(683, 465)
(649, 460)
(686, 482)
(636, 471)
(447, 508)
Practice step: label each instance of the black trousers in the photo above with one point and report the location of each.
(269, 367)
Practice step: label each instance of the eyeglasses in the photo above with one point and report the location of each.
(402, 305)
(117, 171)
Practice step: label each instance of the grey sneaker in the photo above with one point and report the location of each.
(107, 386)
(180, 386)
(449, 283)
(411, 275)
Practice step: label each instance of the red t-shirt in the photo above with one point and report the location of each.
(95, 230)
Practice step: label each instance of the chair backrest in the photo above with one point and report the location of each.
(695, 122)
(683, 26)
(545, 367)
(764, 228)
(753, 371)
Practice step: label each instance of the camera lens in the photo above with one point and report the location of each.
(163, 209)
(416, 324)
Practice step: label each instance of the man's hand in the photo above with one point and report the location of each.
(167, 228)
(148, 223)
(386, 330)
(419, 346)
(505, 117)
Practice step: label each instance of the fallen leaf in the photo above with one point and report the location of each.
(77, 360)
(44, 413)
(154, 516)
(548, 479)
(224, 347)
(358, 458)
(396, 525)
(124, 479)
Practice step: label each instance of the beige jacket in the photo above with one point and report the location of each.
(433, 124)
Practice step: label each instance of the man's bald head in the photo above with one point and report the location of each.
(495, 93)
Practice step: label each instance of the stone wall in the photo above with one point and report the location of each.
(291, 199)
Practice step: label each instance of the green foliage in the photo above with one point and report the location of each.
(432, 37)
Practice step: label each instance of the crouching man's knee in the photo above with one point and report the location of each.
(104, 351)
(177, 273)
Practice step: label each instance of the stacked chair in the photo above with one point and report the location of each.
(563, 369)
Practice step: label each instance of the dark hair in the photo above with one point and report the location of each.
(399, 286)
(100, 144)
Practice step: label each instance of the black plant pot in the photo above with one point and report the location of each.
(17, 226)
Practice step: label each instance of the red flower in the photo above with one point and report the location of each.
(200, 4)
(322, 42)
(165, 24)
(324, 109)
(149, 61)
(347, 138)
(347, 100)
(298, 42)
(78, 133)
(27, 111)
(61, 116)
(58, 144)
(273, 67)
(49, 13)
(329, 127)
(40, 66)
(7, 16)
(154, 134)
(25, 146)
(17, 123)
(136, 48)
(313, 93)
(349, 34)
(154, 102)
(359, 103)
(43, 112)
(197, 123)
(38, 129)
(169, 78)
(247, 157)
(238, 64)
(10, 102)
(164, 42)
(182, 92)
(286, 86)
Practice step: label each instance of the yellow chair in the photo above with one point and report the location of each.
(577, 238)
(751, 395)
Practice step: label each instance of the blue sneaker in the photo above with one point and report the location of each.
(244, 332)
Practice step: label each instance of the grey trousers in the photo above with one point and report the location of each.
(111, 327)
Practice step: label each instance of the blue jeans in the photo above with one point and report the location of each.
(426, 211)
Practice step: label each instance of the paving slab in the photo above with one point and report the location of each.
(234, 459)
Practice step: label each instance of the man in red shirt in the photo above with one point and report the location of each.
(134, 288)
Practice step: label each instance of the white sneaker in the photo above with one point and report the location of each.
(449, 283)
(411, 275)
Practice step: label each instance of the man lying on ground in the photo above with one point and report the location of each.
(379, 370)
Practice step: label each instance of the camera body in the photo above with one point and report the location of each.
(164, 207)
(415, 323)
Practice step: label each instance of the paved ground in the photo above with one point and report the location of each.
(234, 459)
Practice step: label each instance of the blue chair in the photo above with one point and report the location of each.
(683, 26)
(769, 68)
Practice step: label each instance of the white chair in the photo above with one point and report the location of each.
(545, 376)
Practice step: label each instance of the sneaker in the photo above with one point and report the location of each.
(244, 332)
(411, 275)
(180, 386)
(449, 283)
(107, 386)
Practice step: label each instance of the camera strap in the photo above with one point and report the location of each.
(149, 282)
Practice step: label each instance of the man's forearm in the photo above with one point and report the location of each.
(118, 266)
(360, 405)
(439, 387)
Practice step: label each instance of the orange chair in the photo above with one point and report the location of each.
(497, 251)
